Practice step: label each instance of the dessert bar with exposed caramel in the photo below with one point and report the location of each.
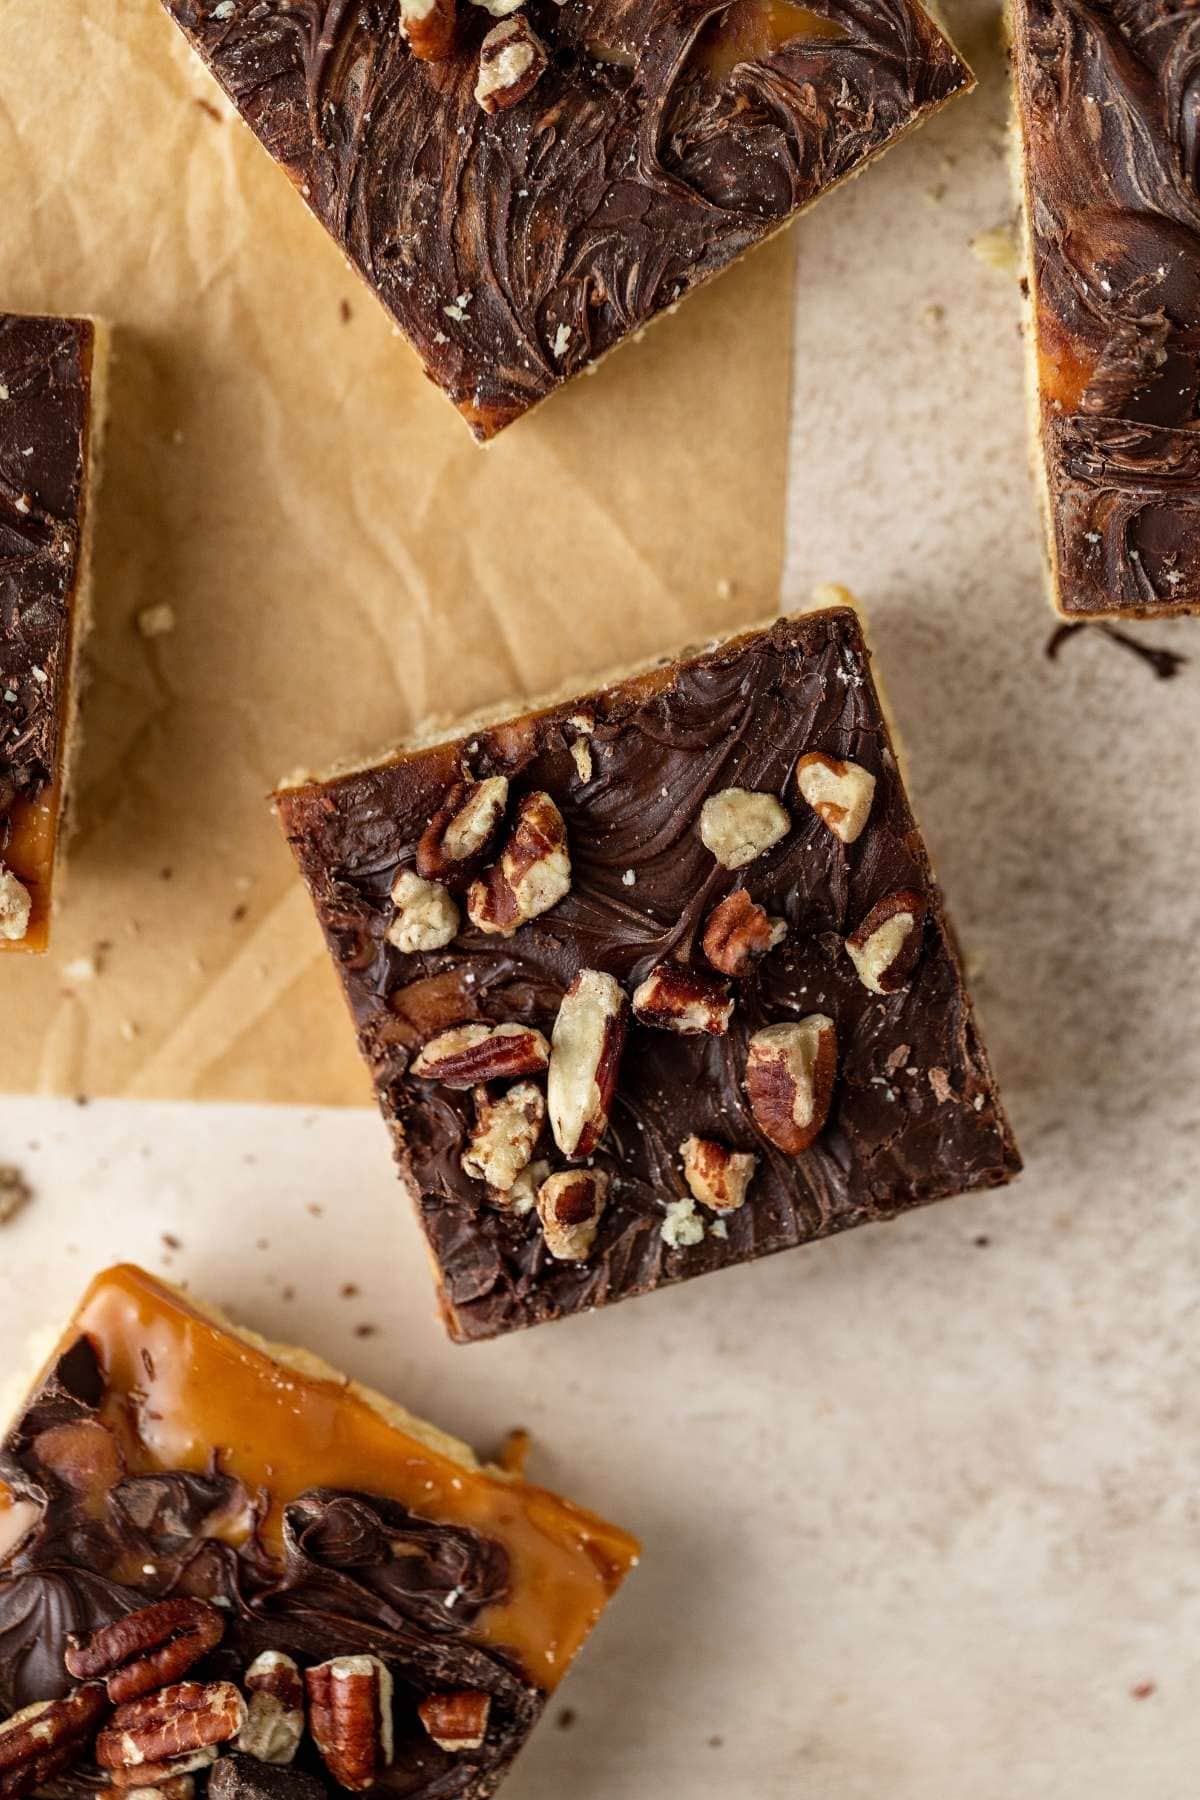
(524, 186)
(226, 1570)
(51, 407)
(653, 980)
(1106, 135)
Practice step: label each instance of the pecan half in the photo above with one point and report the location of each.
(570, 1206)
(468, 1054)
(738, 932)
(682, 1000)
(532, 875)
(739, 824)
(426, 917)
(457, 1720)
(585, 1058)
(840, 793)
(147, 1648)
(429, 27)
(191, 1715)
(790, 1072)
(43, 1740)
(511, 60)
(463, 832)
(717, 1177)
(885, 947)
(505, 1134)
(350, 1717)
(275, 1714)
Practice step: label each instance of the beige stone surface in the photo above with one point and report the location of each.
(921, 1505)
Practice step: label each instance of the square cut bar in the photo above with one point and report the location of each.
(51, 407)
(1106, 129)
(656, 144)
(306, 1535)
(704, 891)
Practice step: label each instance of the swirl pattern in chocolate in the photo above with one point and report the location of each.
(45, 396)
(1109, 106)
(665, 138)
(915, 1113)
(361, 1574)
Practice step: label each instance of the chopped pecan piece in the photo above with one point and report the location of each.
(275, 1715)
(521, 1197)
(585, 1057)
(167, 1787)
(682, 1000)
(148, 1648)
(350, 1717)
(511, 60)
(458, 1720)
(463, 832)
(43, 1740)
(738, 932)
(887, 944)
(505, 1134)
(16, 904)
(570, 1206)
(429, 27)
(468, 1054)
(173, 1722)
(790, 1071)
(532, 875)
(739, 824)
(426, 917)
(161, 1776)
(717, 1177)
(840, 793)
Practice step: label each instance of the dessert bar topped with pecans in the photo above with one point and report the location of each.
(229, 1572)
(656, 980)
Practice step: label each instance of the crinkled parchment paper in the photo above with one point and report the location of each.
(338, 557)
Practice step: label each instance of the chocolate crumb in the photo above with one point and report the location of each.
(566, 1718)
(1142, 1690)
(15, 1192)
(171, 1241)
(206, 106)
(982, 1241)
(238, 913)
(715, 1743)
(349, 1290)
(365, 1331)
(287, 1293)
(345, 312)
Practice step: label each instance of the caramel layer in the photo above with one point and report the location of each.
(29, 853)
(183, 1390)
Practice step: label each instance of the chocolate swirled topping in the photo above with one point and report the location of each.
(46, 367)
(914, 1114)
(516, 247)
(1109, 107)
(361, 1575)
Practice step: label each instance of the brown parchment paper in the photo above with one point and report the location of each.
(339, 557)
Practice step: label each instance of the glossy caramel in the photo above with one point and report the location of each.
(29, 853)
(182, 1389)
(753, 30)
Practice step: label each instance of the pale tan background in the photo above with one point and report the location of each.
(921, 1505)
